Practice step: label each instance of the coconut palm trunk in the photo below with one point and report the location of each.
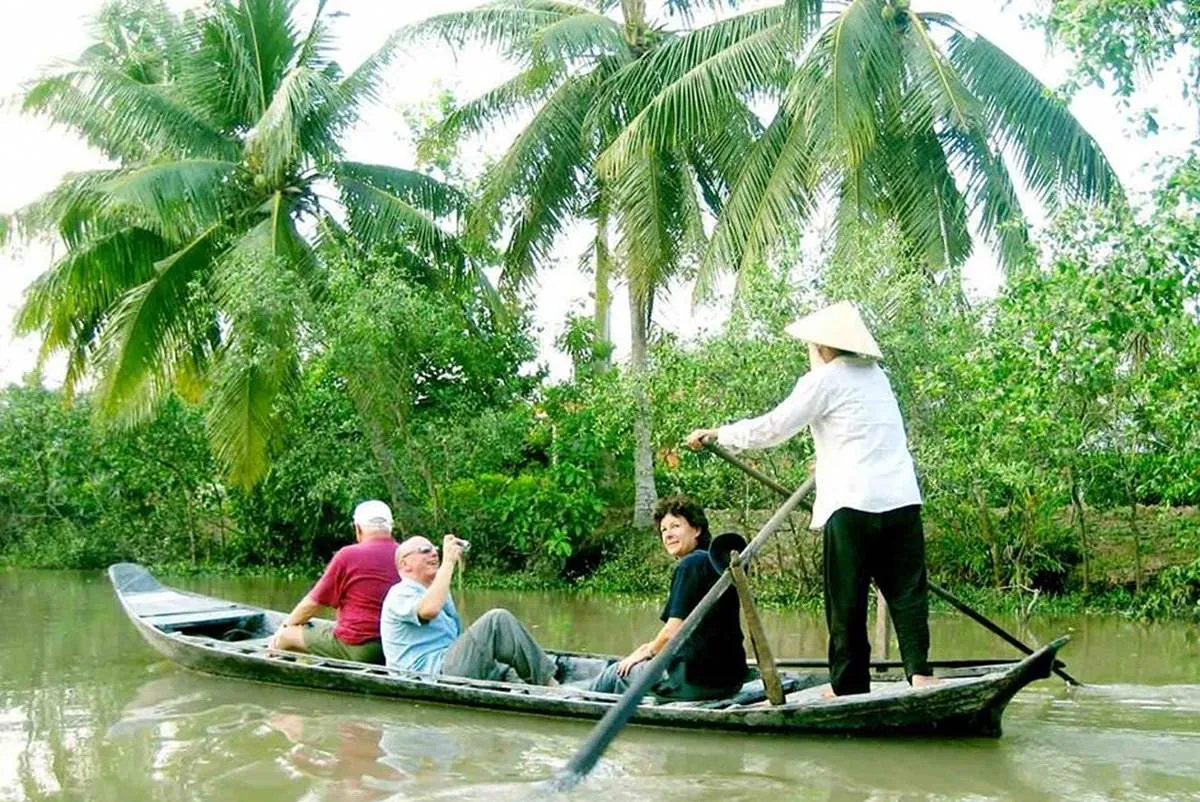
(602, 314)
(645, 492)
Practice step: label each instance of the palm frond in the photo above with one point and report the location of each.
(361, 86)
(772, 196)
(140, 39)
(686, 89)
(318, 45)
(291, 249)
(387, 203)
(654, 203)
(242, 53)
(860, 54)
(63, 102)
(924, 201)
(87, 282)
(418, 189)
(803, 18)
(147, 330)
(718, 159)
(69, 304)
(124, 118)
(80, 349)
(241, 408)
(906, 181)
(266, 28)
(1052, 148)
(587, 36)
(263, 289)
(545, 167)
(990, 193)
(179, 197)
(541, 215)
(857, 215)
(508, 25)
(277, 142)
(71, 210)
(520, 93)
(686, 9)
(935, 84)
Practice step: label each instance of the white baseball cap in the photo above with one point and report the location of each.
(373, 513)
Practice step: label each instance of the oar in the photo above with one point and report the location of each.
(619, 714)
(941, 593)
(993, 627)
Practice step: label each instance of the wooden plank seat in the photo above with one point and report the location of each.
(207, 617)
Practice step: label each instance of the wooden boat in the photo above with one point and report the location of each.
(228, 639)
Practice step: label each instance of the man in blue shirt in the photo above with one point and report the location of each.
(421, 630)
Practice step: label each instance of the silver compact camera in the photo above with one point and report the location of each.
(465, 545)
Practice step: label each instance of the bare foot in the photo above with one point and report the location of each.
(827, 692)
(924, 680)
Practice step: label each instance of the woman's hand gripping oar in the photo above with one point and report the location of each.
(618, 716)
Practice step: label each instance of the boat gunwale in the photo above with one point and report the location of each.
(991, 690)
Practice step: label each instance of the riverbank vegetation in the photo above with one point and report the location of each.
(244, 369)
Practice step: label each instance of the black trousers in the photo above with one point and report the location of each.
(888, 547)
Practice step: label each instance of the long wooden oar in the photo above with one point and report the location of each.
(619, 714)
(936, 590)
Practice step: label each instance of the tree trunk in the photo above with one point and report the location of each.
(435, 499)
(634, 12)
(645, 494)
(1084, 546)
(1137, 543)
(385, 458)
(989, 534)
(602, 347)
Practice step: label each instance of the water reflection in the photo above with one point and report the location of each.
(316, 746)
(87, 711)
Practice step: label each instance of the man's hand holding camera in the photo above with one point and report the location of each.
(453, 549)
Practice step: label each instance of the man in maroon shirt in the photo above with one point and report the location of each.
(354, 583)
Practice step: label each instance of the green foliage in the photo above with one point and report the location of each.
(634, 563)
(532, 521)
(368, 355)
(1176, 592)
(75, 496)
(1124, 40)
(188, 267)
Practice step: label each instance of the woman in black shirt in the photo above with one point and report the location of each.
(712, 663)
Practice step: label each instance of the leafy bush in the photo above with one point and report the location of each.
(531, 521)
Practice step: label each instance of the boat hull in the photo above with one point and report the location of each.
(182, 626)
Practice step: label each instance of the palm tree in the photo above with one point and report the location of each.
(189, 263)
(568, 53)
(886, 113)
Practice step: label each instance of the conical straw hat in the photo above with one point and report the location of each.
(837, 326)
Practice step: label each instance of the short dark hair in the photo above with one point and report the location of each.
(689, 510)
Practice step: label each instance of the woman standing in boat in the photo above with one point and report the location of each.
(712, 663)
(867, 497)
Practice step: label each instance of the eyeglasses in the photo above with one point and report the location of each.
(419, 550)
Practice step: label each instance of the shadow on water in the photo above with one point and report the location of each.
(89, 712)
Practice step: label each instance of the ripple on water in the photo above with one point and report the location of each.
(1111, 741)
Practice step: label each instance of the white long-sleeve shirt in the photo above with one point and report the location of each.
(862, 451)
